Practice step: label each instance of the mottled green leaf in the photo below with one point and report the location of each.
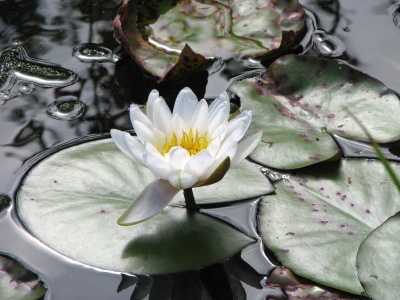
(155, 32)
(318, 218)
(302, 100)
(378, 261)
(17, 283)
(72, 199)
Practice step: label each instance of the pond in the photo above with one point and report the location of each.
(71, 83)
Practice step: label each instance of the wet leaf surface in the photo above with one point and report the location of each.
(302, 100)
(155, 32)
(71, 201)
(17, 283)
(318, 218)
(378, 260)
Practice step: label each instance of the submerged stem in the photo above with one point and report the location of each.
(189, 200)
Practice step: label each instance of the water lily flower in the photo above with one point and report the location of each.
(192, 146)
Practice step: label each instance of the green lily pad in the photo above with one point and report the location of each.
(72, 199)
(17, 283)
(318, 218)
(155, 32)
(302, 100)
(378, 260)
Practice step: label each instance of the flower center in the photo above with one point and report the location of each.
(193, 143)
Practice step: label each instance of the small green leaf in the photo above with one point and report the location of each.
(72, 199)
(17, 283)
(378, 261)
(302, 100)
(318, 218)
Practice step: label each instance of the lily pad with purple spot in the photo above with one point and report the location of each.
(155, 32)
(378, 260)
(17, 283)
(318, 218)
(302, 100)
(71, 200)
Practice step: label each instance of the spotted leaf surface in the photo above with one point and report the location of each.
(317, 219)
(378, 260)
(155, 32)
(72, 199)
(301, 101)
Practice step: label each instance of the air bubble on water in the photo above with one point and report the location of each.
(19, 73)
(26, 88)
(91, 52)
(327, 45)
(66, 108)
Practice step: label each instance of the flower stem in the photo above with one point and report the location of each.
(189, 200)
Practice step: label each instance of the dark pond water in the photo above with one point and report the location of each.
(37, 113)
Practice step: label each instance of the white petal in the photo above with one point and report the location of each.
(243, 119)
(143, 132)
(178, 157)
(246, 146)
(150, 202)
(199, 163)
(185, 104)
(178, 124)
(219, 116)
(222, 100)
(135, 147)
(220, 131)
(155, 162)
(119, 138)
(159, 137)
(136, 114)
(214, 146)
(150, 104)
(228, 151)
(199, 120)
(162, 115)
(181, 179)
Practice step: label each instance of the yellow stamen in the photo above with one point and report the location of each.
(193, 143)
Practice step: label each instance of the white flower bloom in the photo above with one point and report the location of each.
(192, 146)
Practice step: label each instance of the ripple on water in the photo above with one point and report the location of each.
(66, 108)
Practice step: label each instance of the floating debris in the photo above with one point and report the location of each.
(19, 73)
(66, 108)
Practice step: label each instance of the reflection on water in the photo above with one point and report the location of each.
(368, 29)
(87, 88)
